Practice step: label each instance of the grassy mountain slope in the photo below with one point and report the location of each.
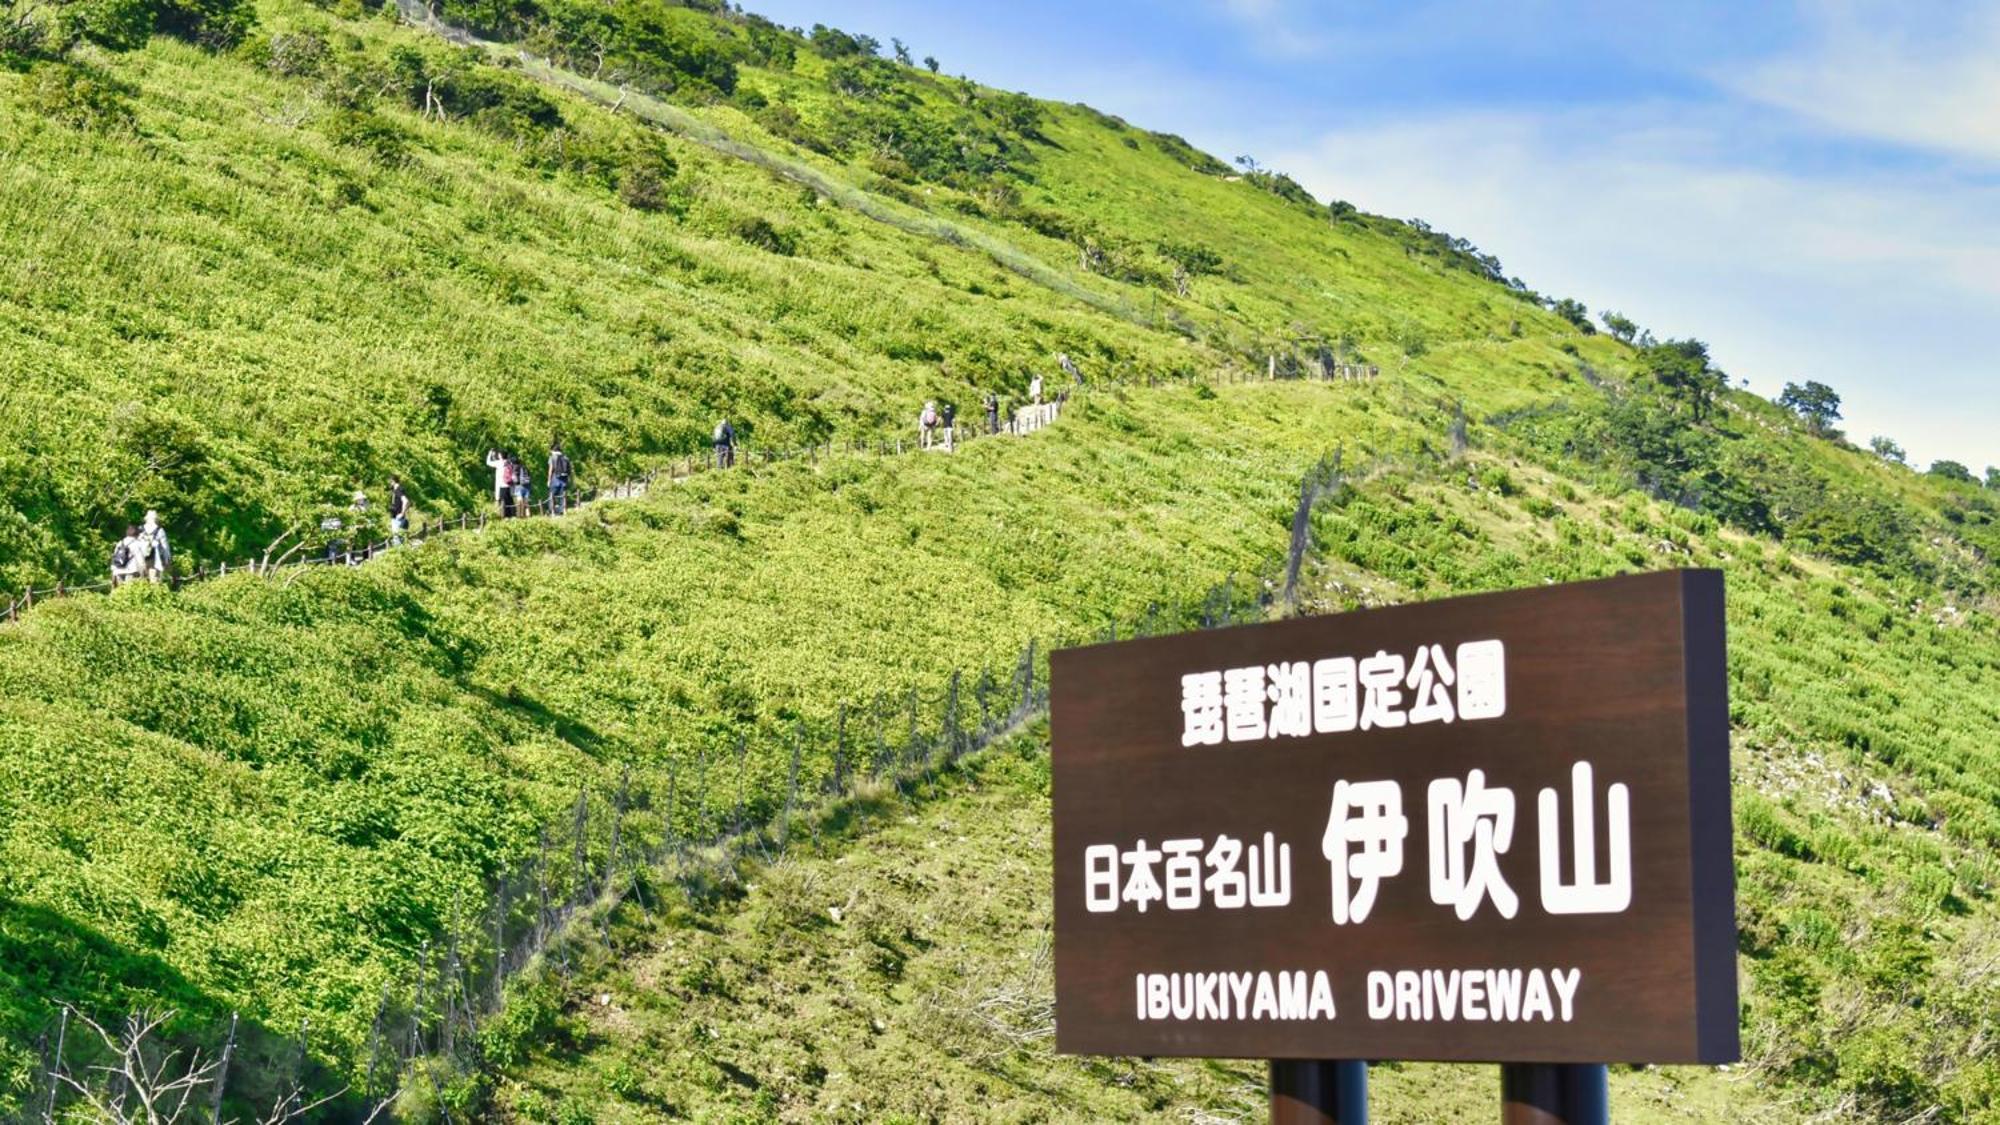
(238, 286)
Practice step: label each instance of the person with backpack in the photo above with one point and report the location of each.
(927, 423)
(154, 551)
(399, 512)
(503, 488)
(725, 445)
(949, 424)
(524, 492)
(992, 413)
(127, 561)
(558, 479)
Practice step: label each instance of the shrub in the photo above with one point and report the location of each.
(76, 96)
(300, 54)
(368, 132)
(211, 23)
(642, 180)
(758, 231)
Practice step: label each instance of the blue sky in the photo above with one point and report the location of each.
(1813, 189)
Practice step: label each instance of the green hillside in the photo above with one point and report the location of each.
(245, 270)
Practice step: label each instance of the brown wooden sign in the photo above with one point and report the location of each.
(1493, 828)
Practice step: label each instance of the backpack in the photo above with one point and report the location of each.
(121, 555)
(561, 467)
(724, 434)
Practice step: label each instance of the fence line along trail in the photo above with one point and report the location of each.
(749, 796)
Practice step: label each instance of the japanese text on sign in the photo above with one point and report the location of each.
(1294, 699)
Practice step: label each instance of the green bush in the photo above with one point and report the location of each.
(76, 96)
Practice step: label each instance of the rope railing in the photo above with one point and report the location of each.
(341, 553)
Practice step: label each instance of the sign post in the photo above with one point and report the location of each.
(1319, 1092)
(1486, 829)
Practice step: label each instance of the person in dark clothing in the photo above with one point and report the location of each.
(524, 492)
(558, 479)
(725, 445)
(992, 413)
(399, 512)
(950, 413)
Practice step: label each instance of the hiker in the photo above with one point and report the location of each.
(1063, 361)
(127, 561)
(1035, 390)
(950, 427)
(558, 479)
(725, 445)
(503, 489)
(992, 413)
(927, 423)
(399, 512)
(154, 552)
(524, 492)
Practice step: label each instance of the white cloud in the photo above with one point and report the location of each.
(1911, 75)
(1874, 282)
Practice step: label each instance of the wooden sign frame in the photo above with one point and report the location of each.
(1388, 867)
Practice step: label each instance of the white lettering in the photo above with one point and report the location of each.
(1100, 878)
(1226, 886)
(1292, 991)
(1482, 680)
(1322, 996)
(1470, 818)
(1382, 691)
(1503, 991)
(1566, 989)
(1243, 702)
(1271, 880)
(1381, 995)
(1409, 995)
(1183, 873)
(1201, 709)
(1334, 711)
(1535, 999)
(1266, 1006)
(1210, 1001)
(1157, 1002)
(1368, 815)
(1239, 988)
(1291, 699)
(1471, 1001)
(1586, 895)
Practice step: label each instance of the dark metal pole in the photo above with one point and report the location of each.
(1319, 1092)
(1555, 1094)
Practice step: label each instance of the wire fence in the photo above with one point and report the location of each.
(682, 827)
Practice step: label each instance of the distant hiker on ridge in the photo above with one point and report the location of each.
(127, 562)
(154, 552)
(523, 488)
(1035, 390)
(927, 423)
(725, 445)
(399, 512)
(558, 479)
(950, 425)
(503, 489)
(992, 413)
